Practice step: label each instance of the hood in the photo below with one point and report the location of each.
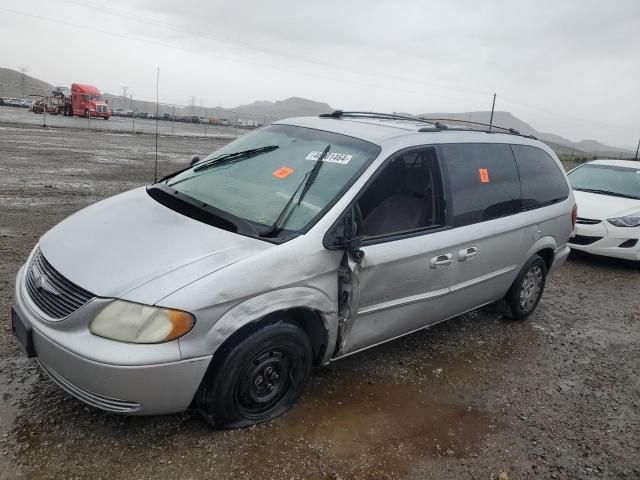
(601, 207)
(132, 247)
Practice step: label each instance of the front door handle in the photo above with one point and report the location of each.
(442, 261)
(467, 254)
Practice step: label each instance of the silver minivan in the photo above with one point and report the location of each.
(300, 243)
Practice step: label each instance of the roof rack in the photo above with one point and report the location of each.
(509, 130)
(436, 123)
(388, 116)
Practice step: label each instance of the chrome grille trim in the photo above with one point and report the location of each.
(95, 400)
(587, 221)
(51, 292)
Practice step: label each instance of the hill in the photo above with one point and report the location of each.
(260, 112)
(11, 85)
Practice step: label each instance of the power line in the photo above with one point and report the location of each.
(307, 60)
(314, 75)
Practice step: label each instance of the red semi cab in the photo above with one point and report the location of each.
(88, 100)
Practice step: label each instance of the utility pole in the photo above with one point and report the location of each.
(124, 95)
(493, 106)
(23, 71)
(193, 105)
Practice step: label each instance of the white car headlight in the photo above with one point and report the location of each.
(136, 323)
(632, 220)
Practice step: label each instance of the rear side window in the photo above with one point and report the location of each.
(542, 180)
(484, 181)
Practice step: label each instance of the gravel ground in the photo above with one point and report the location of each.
(556, 396)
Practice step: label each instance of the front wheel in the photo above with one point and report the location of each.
(524, 295)
(256, 377)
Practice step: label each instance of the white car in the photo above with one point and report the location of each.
(608, 196)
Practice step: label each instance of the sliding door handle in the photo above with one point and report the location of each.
(442, 261)
(467, 254)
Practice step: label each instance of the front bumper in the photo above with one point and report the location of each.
(140, 390)
(113, 376)
(606, 240)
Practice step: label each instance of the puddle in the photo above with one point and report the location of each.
(371, 430)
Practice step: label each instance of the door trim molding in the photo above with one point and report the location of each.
(489, 276)
(402, 301)
(399, 302)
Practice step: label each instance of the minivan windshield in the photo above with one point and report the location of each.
(258, 186)
(607, 180)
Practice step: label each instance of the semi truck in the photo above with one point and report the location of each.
(81, 100)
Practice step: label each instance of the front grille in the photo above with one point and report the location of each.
(50, 291)
(583, 240)
(588, 221)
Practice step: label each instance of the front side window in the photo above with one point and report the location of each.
(406, 195)
(259, 188)
(607, 180)
(484, 181)
(542, 179)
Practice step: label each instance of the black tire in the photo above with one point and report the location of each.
(86, 113)
(523, 296)
(257, 376)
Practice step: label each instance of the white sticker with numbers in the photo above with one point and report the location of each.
(333, 157)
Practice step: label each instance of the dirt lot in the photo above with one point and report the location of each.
(557, 396)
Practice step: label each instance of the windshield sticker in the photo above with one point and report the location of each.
(335, 157)
(484, 175)
(283, 172)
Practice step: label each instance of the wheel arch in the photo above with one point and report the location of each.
(308, 308)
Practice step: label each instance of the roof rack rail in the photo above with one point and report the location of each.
(389, 116)
(513, 131)
(436, 123)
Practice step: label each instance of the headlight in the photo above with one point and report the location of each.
(136, 323)
(632, 220)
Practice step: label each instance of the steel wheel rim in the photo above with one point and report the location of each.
(531, 287)
(266, 382)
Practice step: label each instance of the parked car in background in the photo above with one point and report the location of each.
(608, 196)
(297, 244)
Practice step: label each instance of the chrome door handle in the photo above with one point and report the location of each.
(467, 254)
(442, 261)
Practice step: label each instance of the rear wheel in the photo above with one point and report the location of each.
(258, 376)
(524, 295)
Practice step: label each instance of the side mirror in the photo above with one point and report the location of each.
(343, 236)
(195, 159)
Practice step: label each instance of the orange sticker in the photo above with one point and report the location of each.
(484, 175)
(283, 172)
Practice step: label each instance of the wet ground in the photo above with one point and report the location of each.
(556, 396)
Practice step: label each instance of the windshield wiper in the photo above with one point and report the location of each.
(223, 159)
(305, 184)
(231, 157)
(606, 192)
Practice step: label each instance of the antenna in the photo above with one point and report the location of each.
(493, 106)
(155, 173)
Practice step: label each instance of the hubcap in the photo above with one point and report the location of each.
(530, 288)
(264, 382)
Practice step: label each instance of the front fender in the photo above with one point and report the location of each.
(256, 308)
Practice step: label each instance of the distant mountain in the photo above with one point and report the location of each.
(291, 107)
(11, 85)
(559, 144)
(260, 112)
(588, 146)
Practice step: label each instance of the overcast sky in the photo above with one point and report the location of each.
(569, 67)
